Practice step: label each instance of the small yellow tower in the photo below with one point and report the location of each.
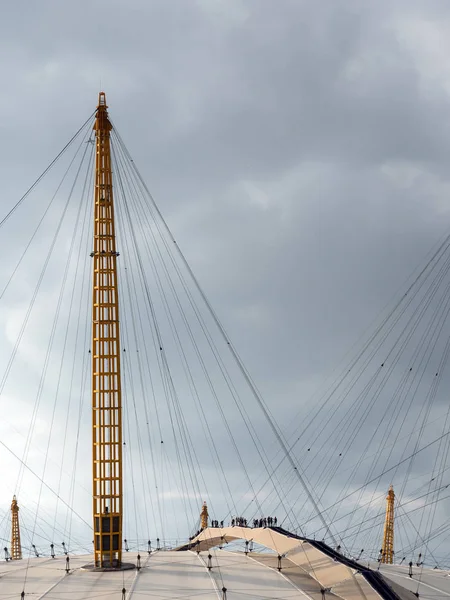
(16, 548)
(387, 551)
(204, 517)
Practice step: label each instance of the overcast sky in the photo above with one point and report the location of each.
(298, 151)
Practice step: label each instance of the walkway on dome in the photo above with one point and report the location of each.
(311, 565)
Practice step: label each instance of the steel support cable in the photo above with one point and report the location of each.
(182, 353)
(143, 468)
(429, 400)
(411, 298)
(335, 519)
(150, 442)
(408, 436)
(412, 285)
(344, 422)
(77, 335)
(84, 379)
(71, 249)
(37, 400)
(413, 510)
(193, 340)
(121, 225)
(422, 341)
(430, 492)
(173, 417)
(128, 254)
(230, 434)
(43, 482)
(166, 473)
(403, 421)
(278, 465)
(52, 199)
(437, 255)
(171, 392)
(243, 370)
(137, 222)
(35, 293)
(328, 476)
(385, 472)
(409, 335)
(432, 262)
(400, 533)
(343, 425)
(6, 521)
(362, 418)
(441, 250)
(126, 448)
(422, 539)
(437, 492)
(126, 459)
(42, 175)
(125, 278)
(413, 498)
(381, 511)
(179, 418)
(209, 341)
(442, 441)
(28, 514)
(53, 330)
(139, 438)
(85, 363)
(175, 292)
(46, 362)
(423, 420)
(440, 531)
(165, 372)
(194, 307)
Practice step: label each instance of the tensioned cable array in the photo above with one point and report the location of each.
(163, 329)
(195, 425)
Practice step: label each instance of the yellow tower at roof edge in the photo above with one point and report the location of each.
(16, 547)
(387, 551)
(204, 516)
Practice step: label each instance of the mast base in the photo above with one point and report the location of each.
(122, 567)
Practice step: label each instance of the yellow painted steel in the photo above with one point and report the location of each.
(106, 383)
(204, 517)
(387, 551)
(16, 547)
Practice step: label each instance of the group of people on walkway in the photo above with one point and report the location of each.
(265, 521)
(262, 522)
(239, 522)
(215, 523)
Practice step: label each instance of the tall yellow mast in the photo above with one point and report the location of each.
(16, 548)
(106, 384)
(387, 551)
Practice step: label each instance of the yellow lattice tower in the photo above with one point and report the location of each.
(204, 517)
(106, 383)
(16, 547)
(387, 551)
